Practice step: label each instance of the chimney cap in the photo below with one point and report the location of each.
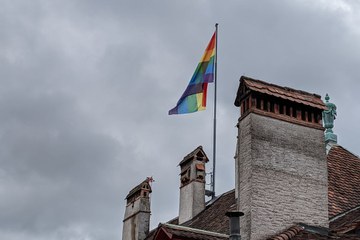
(144, 185)
(234, 214)
(198, 154)
(285, 93)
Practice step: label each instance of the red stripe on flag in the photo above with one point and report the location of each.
(211, 44)
(204, 94)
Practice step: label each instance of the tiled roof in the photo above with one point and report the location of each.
(344, 180)
(288, 234)
(305, 232)
(344, 199)
(307, 235)
(286, 93)
(213, 217)
(344, 207)
(346, 222)
(181, 232)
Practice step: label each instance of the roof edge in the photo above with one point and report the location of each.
(194, 230)
(209, 203)
(337, 145)
(278, 86)
(191, 154)
(138, 188)
(340, 215)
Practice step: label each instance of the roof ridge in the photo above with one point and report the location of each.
(189, 155)
(212, 201)
(288, 233)
(195, 230)
(344, 213)
(224, 193)
(281, 87)
(337, 145)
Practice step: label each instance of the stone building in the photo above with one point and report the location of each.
(293, 181)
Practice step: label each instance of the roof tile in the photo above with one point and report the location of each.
(286, 93)
(344, 179)
(213, 218)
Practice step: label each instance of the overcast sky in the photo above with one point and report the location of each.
(85, 88)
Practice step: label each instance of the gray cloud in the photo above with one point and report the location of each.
(86, 86)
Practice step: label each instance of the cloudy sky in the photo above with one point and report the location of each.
(85, 87)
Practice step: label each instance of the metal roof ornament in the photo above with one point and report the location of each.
(329, 115)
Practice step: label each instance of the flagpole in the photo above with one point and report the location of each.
(215, 94)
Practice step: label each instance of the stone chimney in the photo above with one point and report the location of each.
(192, 184)
(280, 159)
(137, 214)
(329, 115)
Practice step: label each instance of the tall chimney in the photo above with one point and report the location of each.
(137, 214)
(234, 220)
(281, 159)
(192, 184)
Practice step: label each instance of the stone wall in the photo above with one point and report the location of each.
(137, 219)
(283, 176)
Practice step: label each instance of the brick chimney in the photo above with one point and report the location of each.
(137, 214)
(280, 159)
(192, 184)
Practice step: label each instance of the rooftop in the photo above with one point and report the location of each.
(344, 209)
(298, 96)
(344, 180)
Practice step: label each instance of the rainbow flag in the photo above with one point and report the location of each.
(194, 97)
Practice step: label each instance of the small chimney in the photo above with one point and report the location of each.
(329, 115)
(234, 220)
(192, 184)
(137, 214)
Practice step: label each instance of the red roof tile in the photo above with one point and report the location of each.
(288, 234)
(346, 222)
(305, 232)
(286, 93)
(211, 219)
(344, 180)
(344, 207)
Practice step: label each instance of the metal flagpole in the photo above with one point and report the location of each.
(215, 93)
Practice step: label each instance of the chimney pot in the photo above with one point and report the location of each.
(234, 218)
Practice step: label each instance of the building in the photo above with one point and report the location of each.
(293, 181)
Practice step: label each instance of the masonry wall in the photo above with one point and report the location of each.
(192, 200)
(283, 176)
(137, 220)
